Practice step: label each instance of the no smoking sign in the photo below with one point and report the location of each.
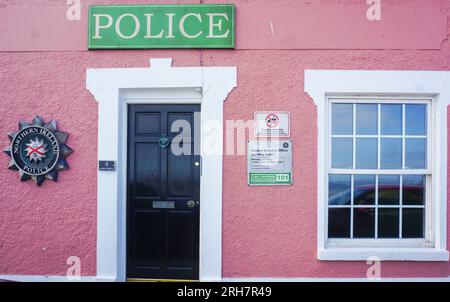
(272, 124)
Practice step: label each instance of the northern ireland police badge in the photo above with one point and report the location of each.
(38, 150)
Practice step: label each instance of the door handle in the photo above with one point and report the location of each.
(192, 203)
(198, 164)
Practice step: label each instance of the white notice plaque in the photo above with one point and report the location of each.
(269, 162)
(272, 124)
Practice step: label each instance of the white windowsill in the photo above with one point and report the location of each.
(383, 254)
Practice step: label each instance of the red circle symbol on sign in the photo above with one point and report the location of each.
(272, 120)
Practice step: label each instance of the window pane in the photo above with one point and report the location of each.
(391, 153)
(366, 153)
(342, 154)
(412, 223)
(339, 223)
(364, 223)
(388, 223)
(342, 119)
(366, 119)
(413, 190)
(389, 189)
(416, 153)
(364, 190)
(391, 119)
(339, 189)
(416, 119)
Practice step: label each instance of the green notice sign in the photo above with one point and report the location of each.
(161, 26)
(270, 179)
(269, 162)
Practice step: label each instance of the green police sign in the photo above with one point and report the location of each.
(161, 26)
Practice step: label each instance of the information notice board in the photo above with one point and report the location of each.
(269, 162)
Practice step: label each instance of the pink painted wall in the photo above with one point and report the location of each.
(260, 25)
(262, 237)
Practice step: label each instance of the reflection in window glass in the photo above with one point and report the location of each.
(391, 153)
(368, 141)
(415, 119)
(364, 222)
(364, 190)
(389, 189)
(412, 223)
(342, 119)
(339, 189)
(388, 222)
(416, 153)
(342, 154)
(413, 190)
(366, 153)
(366, 119)
(391, 119)
(339, 223)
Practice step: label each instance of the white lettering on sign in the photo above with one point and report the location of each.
(182, 29)
(137, 26)
(149, 28)
(98, 26)
(170, 30)
(104, 21)
(213, 25)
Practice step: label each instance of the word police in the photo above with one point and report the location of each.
(144, 24)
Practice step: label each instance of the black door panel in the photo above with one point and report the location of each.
(147, 181)
(163, 194)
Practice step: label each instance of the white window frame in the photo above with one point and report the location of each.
(428, 172)
(400, 86)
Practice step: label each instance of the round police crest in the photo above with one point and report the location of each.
(38, 150)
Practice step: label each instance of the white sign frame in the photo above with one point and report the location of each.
(257, 130)
(277, 172)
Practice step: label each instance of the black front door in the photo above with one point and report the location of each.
(163, 192)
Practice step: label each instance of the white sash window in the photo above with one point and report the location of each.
(382, 164)
(379, 172)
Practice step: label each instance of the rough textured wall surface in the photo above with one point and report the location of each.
(267, 231)
(40, 227)
(271, 231)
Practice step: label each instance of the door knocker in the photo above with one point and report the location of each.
(163, 141)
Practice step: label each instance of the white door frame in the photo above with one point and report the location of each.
(114, 88)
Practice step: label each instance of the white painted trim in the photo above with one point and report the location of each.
(336, 280)
(113, 88)
(383, 254)
(42, 278)
(321, 84)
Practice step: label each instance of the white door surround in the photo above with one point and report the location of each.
(114, 88)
